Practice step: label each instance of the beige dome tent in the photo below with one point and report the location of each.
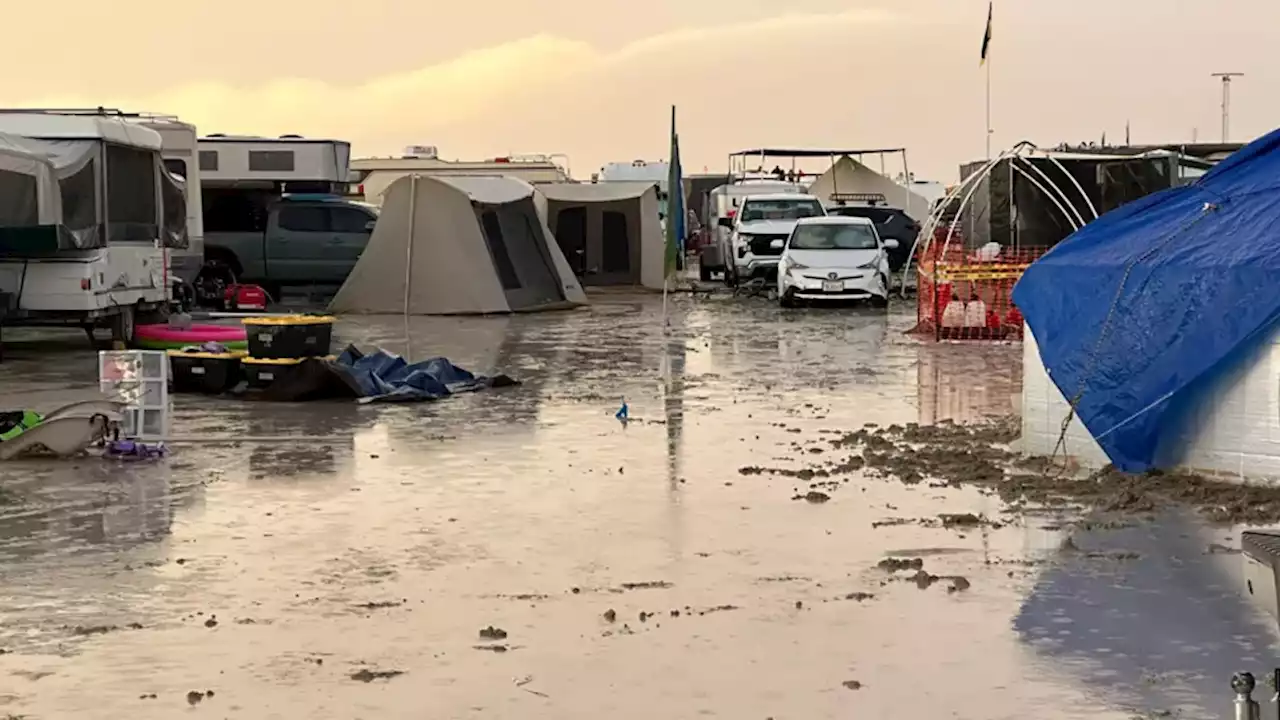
(457, 246)
(610, 232)
(848, 176)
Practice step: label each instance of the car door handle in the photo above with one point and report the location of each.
(335, 241)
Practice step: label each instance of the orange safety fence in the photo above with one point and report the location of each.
(965, 293)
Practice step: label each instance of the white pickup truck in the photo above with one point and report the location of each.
(759, 231)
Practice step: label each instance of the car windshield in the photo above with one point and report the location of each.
(833, 236)
(787, 209)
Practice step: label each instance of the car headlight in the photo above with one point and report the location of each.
(793, 265)
(870, 265)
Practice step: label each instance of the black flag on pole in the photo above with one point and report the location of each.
(986, 36)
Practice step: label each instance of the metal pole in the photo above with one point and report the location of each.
(1226, 102)
(1246, 707)
(989, 131)
(408, 263)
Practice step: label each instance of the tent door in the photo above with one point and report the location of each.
(571, 233)
(517, 245)
(612, 255)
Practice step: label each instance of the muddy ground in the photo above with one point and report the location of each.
(814, 517)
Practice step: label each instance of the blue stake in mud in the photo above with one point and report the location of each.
(621, 415)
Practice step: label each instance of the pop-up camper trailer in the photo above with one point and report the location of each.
(82, 220)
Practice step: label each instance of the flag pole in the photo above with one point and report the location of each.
(988, 64)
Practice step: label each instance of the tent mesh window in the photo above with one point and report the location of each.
(131, 198)
(79, 197)
(498, 249)
(21, 207)
(616, 253)
(175, 212)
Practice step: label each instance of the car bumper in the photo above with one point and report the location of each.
(756, 267)
(815, 285)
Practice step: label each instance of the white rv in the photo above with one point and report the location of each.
(290, 163)
(93, 250)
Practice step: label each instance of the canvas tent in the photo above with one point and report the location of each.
(457, 246)
(847, 175)
(29, 192)
(610, 232)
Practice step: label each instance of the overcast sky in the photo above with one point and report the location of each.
(596, 78)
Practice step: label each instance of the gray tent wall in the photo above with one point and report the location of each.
(479, 246)
(610, 232)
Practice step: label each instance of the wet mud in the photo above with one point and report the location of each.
(808, 515)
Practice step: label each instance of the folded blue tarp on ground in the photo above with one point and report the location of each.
(383, 377)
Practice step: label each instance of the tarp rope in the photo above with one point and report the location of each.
(1105, 333)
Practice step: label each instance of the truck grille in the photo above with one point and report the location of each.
(760, 244)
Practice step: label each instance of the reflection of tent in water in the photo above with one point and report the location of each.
(609, 232)
(848, 176)
(472, 245)
(1172, 612)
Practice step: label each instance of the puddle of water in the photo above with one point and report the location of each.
(634, 570)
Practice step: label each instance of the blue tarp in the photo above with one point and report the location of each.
(1147, 305)
(383, 377)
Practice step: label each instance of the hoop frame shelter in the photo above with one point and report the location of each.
(1018, 156)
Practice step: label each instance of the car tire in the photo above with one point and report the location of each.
(704, 272)
(730, 276)
(787, 299)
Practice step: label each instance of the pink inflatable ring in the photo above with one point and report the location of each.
(167, 337)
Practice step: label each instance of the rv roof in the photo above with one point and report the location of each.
(259, 139)
(51, 126)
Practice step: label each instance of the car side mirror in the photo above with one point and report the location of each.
(891, 244)
(369, 226)
(725, 222)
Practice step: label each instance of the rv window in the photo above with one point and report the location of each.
(349, 220)
(498, 249)
(304, 218)
(21, 206)
(176, 166)
(132, 210)
(270, 161)
(209, 160)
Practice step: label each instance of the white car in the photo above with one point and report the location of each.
(834, 258)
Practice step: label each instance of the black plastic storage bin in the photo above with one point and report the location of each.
(289, 336)
(261, 373)
(206, 373)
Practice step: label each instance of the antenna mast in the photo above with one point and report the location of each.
(1226, 102)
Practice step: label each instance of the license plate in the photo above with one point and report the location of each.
(832, 286)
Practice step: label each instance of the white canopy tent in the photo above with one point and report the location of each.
(458, 246)
(848, 176)
(610, 232)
